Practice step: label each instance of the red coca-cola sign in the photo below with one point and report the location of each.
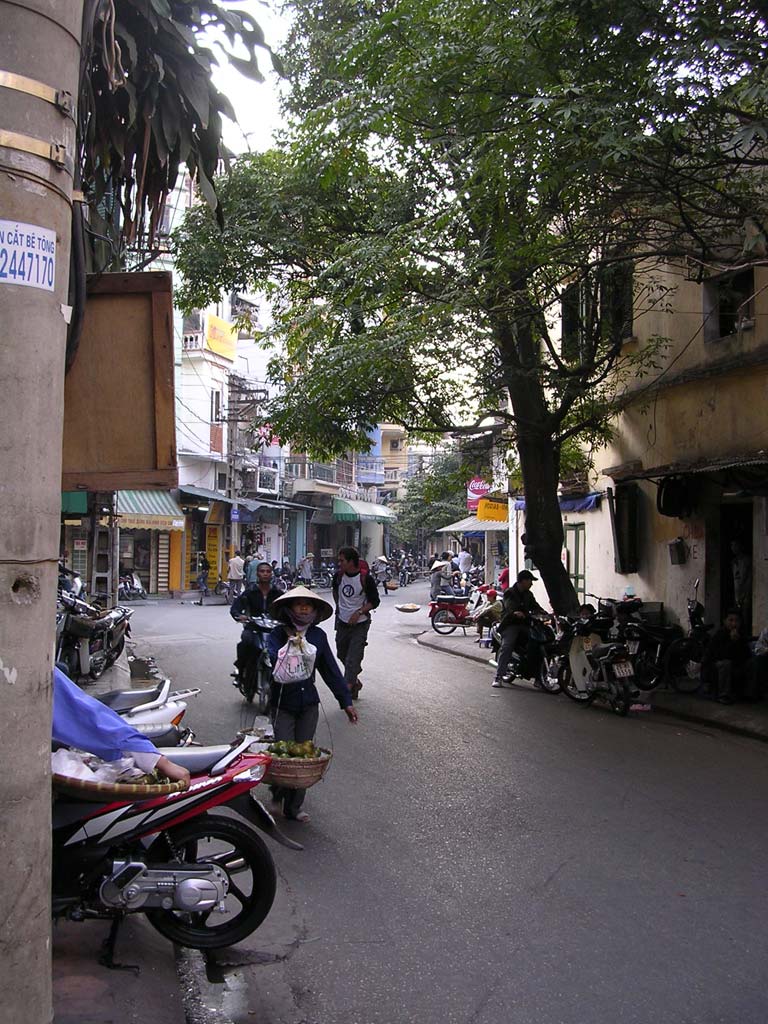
(477, 488)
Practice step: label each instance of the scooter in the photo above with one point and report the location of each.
(253, 678)
(154, 711)
(88, 641)
(130, 588)
(593, 669)
(71, 582)
(203, 880)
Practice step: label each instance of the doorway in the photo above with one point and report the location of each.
(736, 559)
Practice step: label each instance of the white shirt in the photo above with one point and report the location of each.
(236, 567)
(351, 597)
(465, 561)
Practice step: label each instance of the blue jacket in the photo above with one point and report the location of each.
(297, 696)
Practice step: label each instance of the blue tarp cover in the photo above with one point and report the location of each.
(586, 503)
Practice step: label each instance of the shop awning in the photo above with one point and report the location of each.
(347, 511)
(474, 525)
(582, 503)
(148, 510)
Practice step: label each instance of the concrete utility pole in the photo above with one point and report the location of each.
(39, 62)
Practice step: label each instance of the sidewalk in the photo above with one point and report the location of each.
(85, 992)
(744, 719)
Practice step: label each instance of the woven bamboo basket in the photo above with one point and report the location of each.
(104, 792)
(297, 772)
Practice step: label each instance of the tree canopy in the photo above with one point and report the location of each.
(456, 176)
(147, 104)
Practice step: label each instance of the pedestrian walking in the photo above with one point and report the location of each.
(203, 568)
(295, 704)
(356, 595)
(235, 574)
(305, 568)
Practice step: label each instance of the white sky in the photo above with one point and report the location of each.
(255, 103)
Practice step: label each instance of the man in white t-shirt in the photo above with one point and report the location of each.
(465, 560)
(356, 595)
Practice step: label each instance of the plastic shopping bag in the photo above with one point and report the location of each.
(295, 660)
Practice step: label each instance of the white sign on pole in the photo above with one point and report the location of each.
(27, 255)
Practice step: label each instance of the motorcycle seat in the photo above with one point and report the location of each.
(602, 650)
(448, 599)
(124, 700)
(198, 759)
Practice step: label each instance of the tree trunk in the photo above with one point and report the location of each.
(543, 520)
(539, 461)
(39, 39)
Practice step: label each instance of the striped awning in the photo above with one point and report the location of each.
(347, 511)
(148, 510)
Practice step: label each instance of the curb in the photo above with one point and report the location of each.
(686, 715)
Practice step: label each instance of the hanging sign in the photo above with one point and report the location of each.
(477, 488)
(27, 255)
(496, 511)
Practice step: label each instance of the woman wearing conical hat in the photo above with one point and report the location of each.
(295, 704)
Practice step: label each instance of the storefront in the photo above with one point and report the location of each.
(151, 530)
(363, 523)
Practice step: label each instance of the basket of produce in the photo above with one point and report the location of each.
(408, 607)
(391, 585)
(296, 765)
(105, 792)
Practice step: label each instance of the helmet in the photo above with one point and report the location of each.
(492, 594)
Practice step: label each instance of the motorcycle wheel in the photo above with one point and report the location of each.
(263, 685)
(99, 663)
(619, 697)
(115, 653)
(549, 675)
(680, 654)
(280, 584)
(213, 839)
(648, 674)
(568, 686)
(221, 589)
(444, 621)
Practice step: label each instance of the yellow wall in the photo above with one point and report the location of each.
(175, 556)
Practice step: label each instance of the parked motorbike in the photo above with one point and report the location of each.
(682, 661)
(254, 678)
(156, 711)
(88, 640)
(71, 582)
(595, 669)
(451, 611)
(130, 588)
(203, 880)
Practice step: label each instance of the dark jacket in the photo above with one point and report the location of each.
(253, 602)
(722, 648)
(370, 589)
(517, 600)
(297, 696)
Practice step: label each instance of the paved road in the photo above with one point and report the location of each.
(493, 856)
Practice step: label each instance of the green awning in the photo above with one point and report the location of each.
(74, 502)
(346, 511)
(148, 510)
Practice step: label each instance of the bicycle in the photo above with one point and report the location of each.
(224, 589)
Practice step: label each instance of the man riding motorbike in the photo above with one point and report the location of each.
(251, 604)
(519, 605)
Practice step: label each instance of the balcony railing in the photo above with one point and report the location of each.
(311, 471)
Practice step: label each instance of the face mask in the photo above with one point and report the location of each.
(303, 618)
